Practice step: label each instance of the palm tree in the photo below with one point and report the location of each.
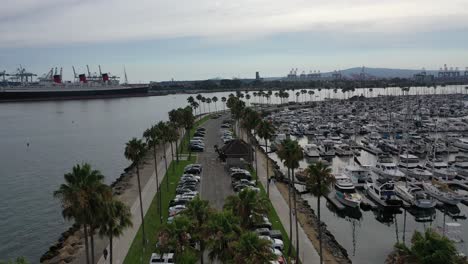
(116, 217)
(175, 117)
(199, 98)
(224, 229)
(224, 99)
(152, 140)
(135, 151)
(247, 97)
(248, 205)
(172, 136)
(200, 212)
(176, 236)
(250, 249)
(291, 153)
(297, 96)
(163, 130)
(214, 100)
(208, 101)
(310, 92)
(265, 130)
(318, 183)
(203, 101)
(80, 196)
(188, 121)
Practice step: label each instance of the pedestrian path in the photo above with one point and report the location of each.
(307, 252)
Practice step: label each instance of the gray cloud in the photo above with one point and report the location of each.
(51, 22)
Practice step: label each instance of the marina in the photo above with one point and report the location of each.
(42, 140)
(410, 153)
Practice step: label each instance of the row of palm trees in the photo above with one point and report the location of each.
(87, 200)
(205, 100)
(90, 203)
(290, 152)
(157, 136)
(224, 235)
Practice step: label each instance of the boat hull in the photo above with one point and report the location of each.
(340, 197)
(42, 95)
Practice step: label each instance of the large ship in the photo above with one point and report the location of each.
(21, 86)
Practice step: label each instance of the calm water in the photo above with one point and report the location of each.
(64, 133)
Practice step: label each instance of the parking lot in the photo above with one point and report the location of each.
(215, 185)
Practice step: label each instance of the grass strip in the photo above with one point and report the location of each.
(274, 218)
(137, 253)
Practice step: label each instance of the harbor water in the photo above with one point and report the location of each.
(40, 141)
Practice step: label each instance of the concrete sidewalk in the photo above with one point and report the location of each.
(122, 244)
(307, 252)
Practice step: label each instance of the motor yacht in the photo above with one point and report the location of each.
(387, 169)
(311, 151)
(415, 196)
(382, 191)
(345, 191)
(461, 144)
(441, 192)
(357, 174)
(441, 169)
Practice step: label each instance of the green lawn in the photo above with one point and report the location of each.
(136, 254)
(274, 218)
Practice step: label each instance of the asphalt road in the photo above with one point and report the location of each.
(215, 183)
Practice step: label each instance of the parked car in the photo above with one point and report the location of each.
(275, 243)
(197, 148)
(242, 181)
(262, 231)
(193, 170)
(241, 175)
(199, 134)
(226, 125)
(176, 209)
(166, 258)
(201, 129)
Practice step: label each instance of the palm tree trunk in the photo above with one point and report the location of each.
(86, 243)
(202, 251)
(177, 150)
(141, 206)
(295, 214)
(91, 231)
(172, 154)
(110, 249)
(157, 182)
(267, 172)
(290, 212)
(319, 227)
(165, 164)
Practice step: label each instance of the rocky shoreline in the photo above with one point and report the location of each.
(71, 241)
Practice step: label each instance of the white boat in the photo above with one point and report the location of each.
(461, 168)
(327, 149)
(441, 193)
(417, 173)
(343, 150)
(311, 151)
(383, 192)
(345, 191)
(415, 196)
(387, 169)
(462, 144)
(441, 169)
(357, 174)
(408, 161)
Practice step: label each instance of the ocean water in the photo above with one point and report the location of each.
(63, 133)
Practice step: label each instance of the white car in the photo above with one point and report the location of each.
(176, 209)
(190, 176)
(166, 258)
(276, 243)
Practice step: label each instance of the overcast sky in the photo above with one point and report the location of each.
(198, 39)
